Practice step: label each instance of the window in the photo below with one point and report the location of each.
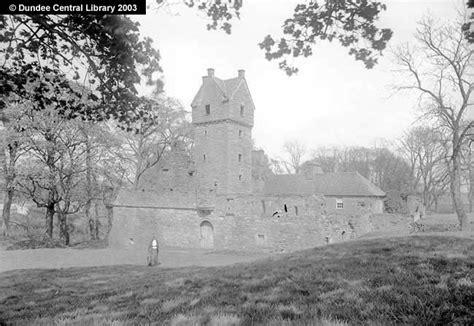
(204, 157)
(230, 206)
(241, 110)
(361, 203)
(296, 210)
(166, 170)
(260, 239)
(240, 133)
(205, 133)
(240, 157)
(263, 207)
(208, 109)
(240, 177)
(339, 204)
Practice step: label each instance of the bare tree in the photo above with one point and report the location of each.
(294, 152)
(165, 123)
(440, 70)
(424, 149)
(327, 158)
(356, 159)
(11, 149)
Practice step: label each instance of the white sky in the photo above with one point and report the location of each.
(333, 100)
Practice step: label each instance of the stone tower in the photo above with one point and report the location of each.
(222, 114)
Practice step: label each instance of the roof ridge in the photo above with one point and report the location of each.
(236, 88)
(222, 87)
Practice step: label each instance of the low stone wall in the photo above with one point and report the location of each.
(239, 223)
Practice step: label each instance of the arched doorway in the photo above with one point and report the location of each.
(207, 235)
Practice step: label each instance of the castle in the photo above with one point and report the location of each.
(224, 197)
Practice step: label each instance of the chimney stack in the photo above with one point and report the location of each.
(210, 72)
(242, 73)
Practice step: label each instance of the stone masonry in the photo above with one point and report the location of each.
(224, 197)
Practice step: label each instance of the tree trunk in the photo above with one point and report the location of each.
(110, 218)
(139, 164)
(7, 204)
(49, 219)
(96, 220)
(63, 228)
(8, 165)
(91, 229)
(50, 205)
(456, 193)
(108, 196)
(471, 181)
(89, 187)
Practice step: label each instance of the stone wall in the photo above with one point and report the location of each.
(241, 222)
(354, 205)
(175, 172)
(223, 138)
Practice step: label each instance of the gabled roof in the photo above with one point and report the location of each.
(328, 184)
(227, 87)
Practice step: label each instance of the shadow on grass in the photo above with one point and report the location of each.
(414, 280)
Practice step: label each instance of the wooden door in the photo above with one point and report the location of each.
(207, 235)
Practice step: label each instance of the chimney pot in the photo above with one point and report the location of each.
(210, 72)
(241, 73)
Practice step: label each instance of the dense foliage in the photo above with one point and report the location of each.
(104, 52)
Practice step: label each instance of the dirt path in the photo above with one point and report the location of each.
(63, 258)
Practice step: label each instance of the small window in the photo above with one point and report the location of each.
(205, 133)
(339, 204)
(296, 210)
(241, 110)
(260, 239)
(263, 207)
(204, 157)
(230, 206)
(208, 109)
(240, 177)
(166, 170)
(361, 204)
(240, 157)
(240, 133)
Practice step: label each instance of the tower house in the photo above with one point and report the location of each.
(223, 116)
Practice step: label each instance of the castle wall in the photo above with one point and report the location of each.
(354, 204)
(217, 202)
(239, 223)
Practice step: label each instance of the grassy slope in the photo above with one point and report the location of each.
(414, 280)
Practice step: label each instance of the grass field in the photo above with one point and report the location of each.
(419, 280)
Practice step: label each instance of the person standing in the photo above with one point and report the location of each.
(153, 250)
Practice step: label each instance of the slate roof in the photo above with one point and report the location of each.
(228, 88)
(329, 184)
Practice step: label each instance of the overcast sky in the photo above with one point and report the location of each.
(333, 100)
